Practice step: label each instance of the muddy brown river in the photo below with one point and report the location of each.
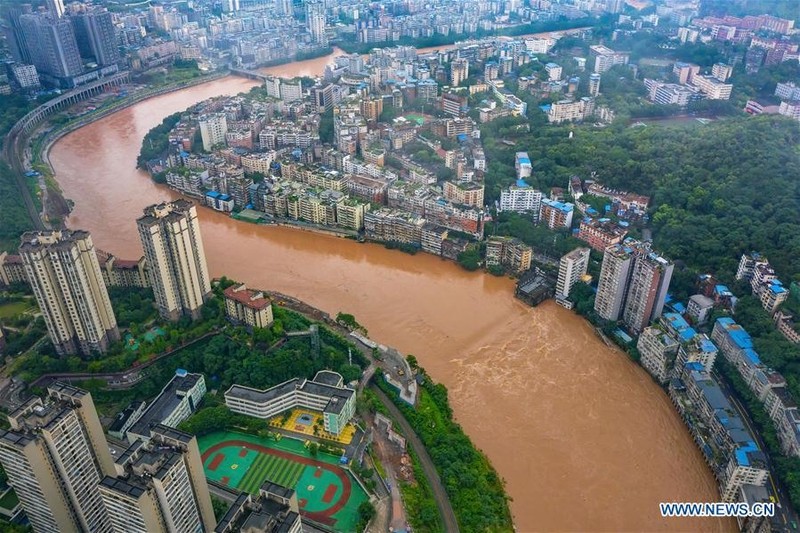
(582, 436)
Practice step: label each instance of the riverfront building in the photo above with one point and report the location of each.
(55, 454)
(508, 252)
(613, 281)
(647, 290)
(64, 273)
(12, 269)
(571, 268)
(176, 259)
(247, 306)
(325, 393)
(160, 486)
(658, 350)
(633, 280)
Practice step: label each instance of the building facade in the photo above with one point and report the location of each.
(247, 306)
(571, 268)
(64, 273)
(176, 259)
(55, 454)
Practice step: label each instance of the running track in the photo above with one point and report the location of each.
(326, 516)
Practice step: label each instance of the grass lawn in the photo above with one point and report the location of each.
(13, 308)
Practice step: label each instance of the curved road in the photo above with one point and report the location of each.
(440, 495)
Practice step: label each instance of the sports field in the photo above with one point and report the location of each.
(326, 492)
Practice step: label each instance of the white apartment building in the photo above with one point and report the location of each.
(64, 273)
(570, 270)
(712, 88)
(213, 128)
(176, 259)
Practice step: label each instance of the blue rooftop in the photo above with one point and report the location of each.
(212, 194)
(722, 290)
(561, 206)
(741, 453)
(707, 346)
(521, 183)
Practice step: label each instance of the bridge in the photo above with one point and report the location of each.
(252, 74)
(32, 119)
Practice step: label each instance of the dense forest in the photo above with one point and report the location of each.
(717, 190)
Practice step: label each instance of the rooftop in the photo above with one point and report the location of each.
(165, 403)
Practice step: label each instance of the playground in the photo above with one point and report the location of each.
(310, 423)
(326, 492)
(132, 343)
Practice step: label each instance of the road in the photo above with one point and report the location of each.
(784, 514)
(439, 494)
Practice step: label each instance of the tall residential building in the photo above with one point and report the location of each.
(55, 454)
(315, 22)
(613, 282)
(15, 37)
(52, 47)
(56, 7)
(64, 273)
(555, 214)
(94, 32)
(176, 259)
(160, 487)
(570, 269)
(594, 84)
(213, 128)
(459, 71)
(647, 290)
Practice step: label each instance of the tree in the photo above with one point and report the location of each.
(366, 512)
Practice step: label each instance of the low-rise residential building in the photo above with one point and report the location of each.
(685, 72)
(712, 88)
(12, 269)
(787, 326)
(522, 163)
(388, 225)
(432, 238)
(121, 272)
(570, 110)
(509, 253)
(325, 393)
(722, 436)
(658, 350)
(464, 193)
(605, 58)
(699, 307)
(699, 349)
(600, 233)
(557, 215)
(247, 306)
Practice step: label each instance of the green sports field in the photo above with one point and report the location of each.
(326, 492)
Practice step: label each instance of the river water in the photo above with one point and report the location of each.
(582, 436)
